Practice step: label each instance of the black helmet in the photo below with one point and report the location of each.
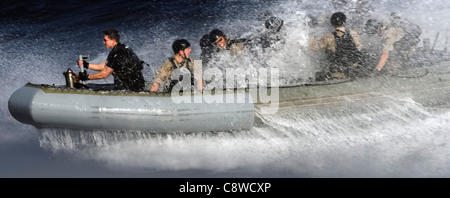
(215, 34)
(274, 23)
(204, 41)
(179, 45)
(395, 16)
(372, 26)
(338, 19)
(312, 21)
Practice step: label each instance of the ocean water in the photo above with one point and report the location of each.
(39, 40)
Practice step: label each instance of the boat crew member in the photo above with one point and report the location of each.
(342, 49)
(272, 36)
(219, 43)
(222, 42)
(400, 38)
(181, 60)
(122, 63)
(207, 49)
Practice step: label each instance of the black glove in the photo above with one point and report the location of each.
(83, 76)
(85, 64)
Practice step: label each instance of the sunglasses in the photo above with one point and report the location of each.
(219, 40)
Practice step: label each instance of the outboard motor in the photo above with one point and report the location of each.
(72, 79)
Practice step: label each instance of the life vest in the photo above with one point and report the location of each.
(412, 34)
(346, 54)
(173, 82)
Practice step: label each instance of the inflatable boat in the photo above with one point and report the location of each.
(45, 106)
(428, 87)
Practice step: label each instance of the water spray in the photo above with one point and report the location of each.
(435, 41)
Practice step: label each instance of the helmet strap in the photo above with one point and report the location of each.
(183, 57)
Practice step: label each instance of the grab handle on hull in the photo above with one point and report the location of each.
(83, 57)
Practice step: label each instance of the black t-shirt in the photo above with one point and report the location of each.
(127, 68)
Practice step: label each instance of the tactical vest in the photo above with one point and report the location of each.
(173, 82)
(346, 53)
(412, 34)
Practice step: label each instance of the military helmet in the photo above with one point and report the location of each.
(338, 19)
(372, 26)
(179, 45)
(274, 23)
(215, 34)
(205, 42)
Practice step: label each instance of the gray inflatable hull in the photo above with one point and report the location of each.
(44, 106)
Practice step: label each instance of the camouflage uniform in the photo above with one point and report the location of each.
(398, 54)
(163, 77)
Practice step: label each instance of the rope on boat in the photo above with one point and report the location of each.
(426, 72)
